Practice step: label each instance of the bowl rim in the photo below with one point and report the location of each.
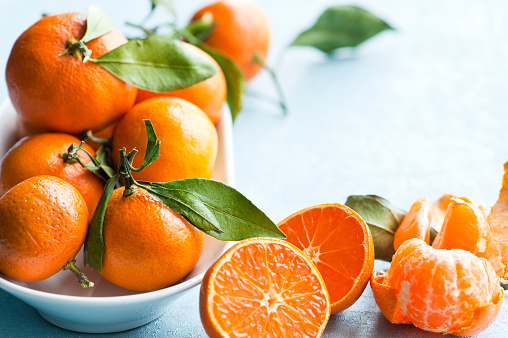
(225, 124)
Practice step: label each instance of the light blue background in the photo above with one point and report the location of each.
(416, 112)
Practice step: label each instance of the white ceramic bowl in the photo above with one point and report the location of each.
(106, 307)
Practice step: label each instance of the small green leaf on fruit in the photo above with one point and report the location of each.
(341, 26)
(98, 23)
(94, 243)
(153, 145)
(236, 217)
(383, 220)
(158, 64)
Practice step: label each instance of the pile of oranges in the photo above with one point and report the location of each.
(48, 197)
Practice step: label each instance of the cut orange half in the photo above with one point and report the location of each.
(416, 223)
(338, 241)
(264, 287)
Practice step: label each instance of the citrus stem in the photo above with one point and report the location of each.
(257, 58)
(71, 155)
(83, 279)
(88, 134)
(78, 49)
(125, 172)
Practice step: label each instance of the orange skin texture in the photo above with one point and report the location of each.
(445, 291)
(188, 138)
(258, 275)
(497, 253)
(416, 223)
(339, 243)
(55, 92)
(209, 95)
(148, 245)
(241, 31)
(43, 225)
(40, 155)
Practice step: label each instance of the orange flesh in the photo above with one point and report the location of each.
(465, 227)
(274, 292)
(335, 242)
(416, 224)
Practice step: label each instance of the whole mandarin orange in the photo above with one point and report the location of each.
(43, 225)
(41, 155)
(241, 32)
(54, 91)
(148, 246)
(188, 138)
(209, 95)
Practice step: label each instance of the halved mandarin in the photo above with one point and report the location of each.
(338, 241)
(264, 287)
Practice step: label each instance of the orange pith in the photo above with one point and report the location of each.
(497, 253)
(264, 288)
(339, 243)
(465, 227)
(416, 223)
(446, 291)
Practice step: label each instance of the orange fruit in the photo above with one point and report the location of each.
(53, 91)
(465, 227)
(188, 139)
(148, 246)
(209, 95)
(41, 155)
(445, 291)
(263, 287)
(497, 253)
(440, 206)
(338, 241)
(43, 225)
(241, 31)
(416, 223)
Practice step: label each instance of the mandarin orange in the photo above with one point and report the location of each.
(445, 291)
(43, 225)
(42, 155)
(53, 91)
(241, 31)
(148, 246)
(188, 138)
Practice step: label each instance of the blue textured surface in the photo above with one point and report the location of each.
(416, 112)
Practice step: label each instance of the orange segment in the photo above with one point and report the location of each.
(416, 223)
(264, 287)
(465, 227)
(497, 253)
(446, 291)
(339, 242)
(440, 206)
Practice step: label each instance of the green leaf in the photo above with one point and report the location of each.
(94, 243)
(341, 26)
(235, 82)
(383, 220)
(153, 146)
(158, 64)
(166, 4)
(98, 23)
(236, 216)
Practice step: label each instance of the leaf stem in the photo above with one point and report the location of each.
(257, 58)
(83, 279)
(88, 134)
(77, 49)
